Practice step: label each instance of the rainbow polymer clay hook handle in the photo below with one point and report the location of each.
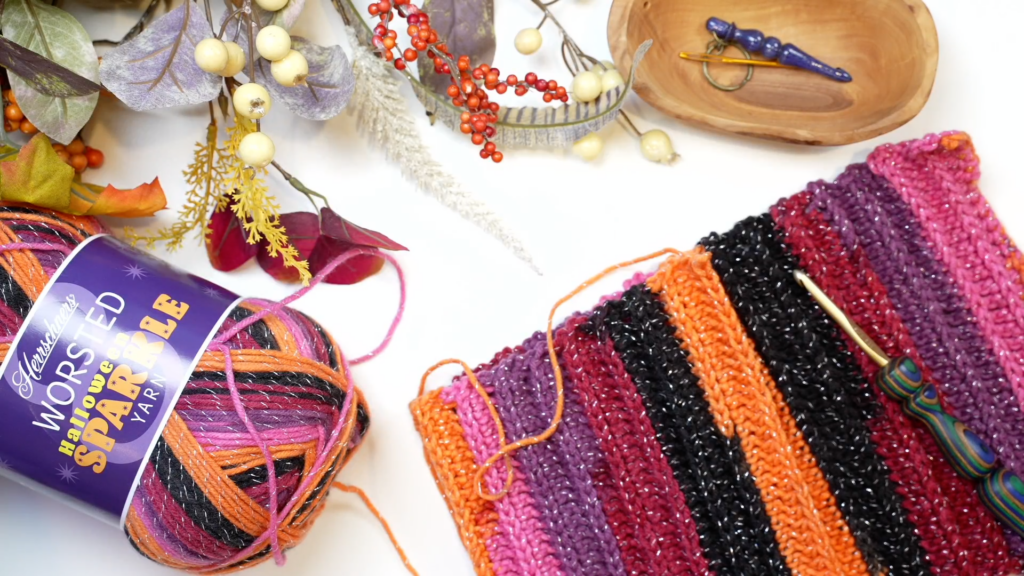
(772, 48)
(1001, 491)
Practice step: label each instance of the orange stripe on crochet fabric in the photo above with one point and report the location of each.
(451, 462)
(745, 402)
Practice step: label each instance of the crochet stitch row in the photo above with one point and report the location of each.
(716, 421)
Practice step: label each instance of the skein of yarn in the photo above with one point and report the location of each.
(265, 422)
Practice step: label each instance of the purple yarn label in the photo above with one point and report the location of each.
(92, 377)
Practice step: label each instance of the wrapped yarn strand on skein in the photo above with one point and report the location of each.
(266, 420)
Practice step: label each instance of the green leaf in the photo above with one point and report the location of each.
(37, 176)
(57, 36)
(44, 75)
(554, 126)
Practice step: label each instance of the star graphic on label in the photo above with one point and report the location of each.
(210, 291)
(4, 464)
(135, 271)
(67, 473)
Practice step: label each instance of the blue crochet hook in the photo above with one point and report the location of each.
(901, 379)
(755, 41)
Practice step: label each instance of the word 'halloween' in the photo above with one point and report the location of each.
(93, 418)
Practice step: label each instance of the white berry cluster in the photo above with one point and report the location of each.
(287, 66)
(588, 86)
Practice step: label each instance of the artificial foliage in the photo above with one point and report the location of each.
(246, 63)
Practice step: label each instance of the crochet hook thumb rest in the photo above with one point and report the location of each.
(901, 379)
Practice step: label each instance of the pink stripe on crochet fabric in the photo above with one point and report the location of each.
(520, 546)
(937, 176)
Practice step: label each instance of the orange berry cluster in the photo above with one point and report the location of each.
(465, 91)
(14, 118)
(78, 155)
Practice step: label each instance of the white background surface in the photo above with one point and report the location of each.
(468, 297)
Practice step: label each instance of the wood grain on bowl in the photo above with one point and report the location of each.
(890, 47)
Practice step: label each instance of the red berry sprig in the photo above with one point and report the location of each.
(480, 113)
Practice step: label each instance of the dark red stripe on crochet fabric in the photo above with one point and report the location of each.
(822, 385)
(734, 528)
(959, 534)
(644, 506)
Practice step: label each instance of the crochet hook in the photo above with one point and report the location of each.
(715, 59)
(1001, 491)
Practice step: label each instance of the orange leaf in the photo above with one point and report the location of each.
(92, 200)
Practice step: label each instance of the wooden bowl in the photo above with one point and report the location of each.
(890, 47)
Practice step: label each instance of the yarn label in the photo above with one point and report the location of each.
(93, 375)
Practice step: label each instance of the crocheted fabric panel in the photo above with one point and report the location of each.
(717, 421)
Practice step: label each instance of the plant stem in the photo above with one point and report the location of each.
(224, 26)
(580, 60)
(298, 185)
(209, 14)
(135, 30)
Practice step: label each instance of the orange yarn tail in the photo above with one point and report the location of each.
(505, 450)
(380, 518)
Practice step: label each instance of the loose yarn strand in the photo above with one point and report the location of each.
(218, 345)
(380, 518)
(506, 450)
(214, 474)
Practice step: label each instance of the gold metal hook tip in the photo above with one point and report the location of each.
(716, 59)
(870, 347)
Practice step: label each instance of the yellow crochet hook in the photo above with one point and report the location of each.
(715, 59)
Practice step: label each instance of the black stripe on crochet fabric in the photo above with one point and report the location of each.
(822, 386)
(193, 501)
(258, 474)
(734, 528)
(259, 331)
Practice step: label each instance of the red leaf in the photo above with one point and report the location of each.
(353, 270)
(338, 228)
(226, 244)
(302, 228)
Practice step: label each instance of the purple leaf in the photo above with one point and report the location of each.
(226, 244)
(43, 74)
(303, 229)
(337, 228)
(329, 85)
(467, 27)
(157, 69)
(351, 271)
(285, 17)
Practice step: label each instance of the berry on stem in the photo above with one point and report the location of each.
(589, 147)
(251, 101)
(236, 60)
(528, 41)
(290, 70)
(79, 162)
(272, 5)
(611, 80)
(273, 43)
(586, 86)
(256, 149)
(211, 55)
(94, 156)
(13, 113)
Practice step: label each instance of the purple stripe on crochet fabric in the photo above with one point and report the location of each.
(519, 545)
(868, 212)
(556, 470)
